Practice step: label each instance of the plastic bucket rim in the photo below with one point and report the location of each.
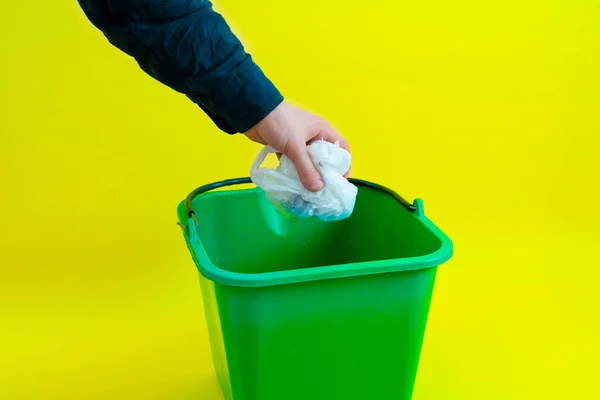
(212, 272)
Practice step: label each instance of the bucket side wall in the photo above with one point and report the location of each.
(351, 338)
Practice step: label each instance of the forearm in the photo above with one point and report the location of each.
(186, 45)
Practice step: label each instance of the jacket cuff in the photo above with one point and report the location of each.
(246, 98)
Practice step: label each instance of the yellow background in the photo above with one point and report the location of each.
(489, 111)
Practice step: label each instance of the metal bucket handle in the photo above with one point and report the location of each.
(241, 181)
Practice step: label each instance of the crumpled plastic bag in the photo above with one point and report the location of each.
(284, 189)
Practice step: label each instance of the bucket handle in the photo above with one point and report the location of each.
(241, 181)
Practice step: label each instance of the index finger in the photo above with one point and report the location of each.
(332, 136)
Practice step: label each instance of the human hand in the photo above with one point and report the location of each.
(288, 130)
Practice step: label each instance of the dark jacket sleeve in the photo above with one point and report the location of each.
(189, 47)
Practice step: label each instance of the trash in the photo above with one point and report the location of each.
(283, 187)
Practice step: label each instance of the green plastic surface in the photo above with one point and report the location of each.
(300, 309)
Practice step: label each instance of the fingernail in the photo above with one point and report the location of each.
(316, 185)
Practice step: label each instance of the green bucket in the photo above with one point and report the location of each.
(300, 309)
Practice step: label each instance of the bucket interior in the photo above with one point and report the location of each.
(242, 232)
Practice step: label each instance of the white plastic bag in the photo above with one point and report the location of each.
(284, 188)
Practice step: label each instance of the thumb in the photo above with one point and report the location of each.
(309, 176)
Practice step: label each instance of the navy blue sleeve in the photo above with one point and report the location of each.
(189, 47)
